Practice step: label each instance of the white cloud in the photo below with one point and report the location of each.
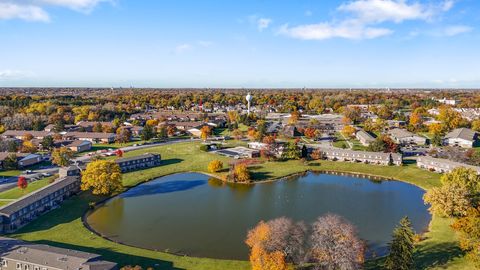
(377, 11)
(263, 23)
(347, 29)
(9, 74)
(32, 13)
(34, 10)
(365, 18)
(183, 48)
(454, 30)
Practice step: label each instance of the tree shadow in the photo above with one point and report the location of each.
(122, 259)
(171, 161)
(437, 255)
(258, 176)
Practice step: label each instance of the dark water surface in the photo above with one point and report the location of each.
(194, 215)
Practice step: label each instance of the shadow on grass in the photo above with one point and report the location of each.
(409, 161)
(437, 255)
(259, 176)
(121, 259)
(426, 258)
(171, 161)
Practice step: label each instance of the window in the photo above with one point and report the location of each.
(36, 268)
(27, 267)
(4, 263)
(19, 266)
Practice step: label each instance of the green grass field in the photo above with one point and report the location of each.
(63, 227)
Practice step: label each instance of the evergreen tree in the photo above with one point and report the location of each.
(401, 247)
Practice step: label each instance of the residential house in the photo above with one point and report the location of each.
(405, 137)
(441, 165)
(88, 126)
(20, 134)
(19, 255)
(23, 159)
(462, 137)
(94, 137)
(79, 146)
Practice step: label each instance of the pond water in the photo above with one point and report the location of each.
(195, 215)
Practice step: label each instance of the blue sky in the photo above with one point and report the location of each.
(247, 43)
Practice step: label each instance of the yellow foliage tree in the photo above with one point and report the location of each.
(103, 177)
(206, 131)
(62, 156)
(28, 147)
(260, 259)
(263, 260)
(435, 129)
(215, 166)
(348, 131)
(241, 173)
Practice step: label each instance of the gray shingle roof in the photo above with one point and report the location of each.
(51, 257)
(461, 133)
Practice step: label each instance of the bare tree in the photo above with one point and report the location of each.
(335, 244)
(287, 237)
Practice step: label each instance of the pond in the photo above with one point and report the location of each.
(195, 215)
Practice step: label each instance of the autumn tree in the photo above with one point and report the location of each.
(162, 132)
(215, 166)
(103, 177)
(310, 132)
(415, 120)
(450, 118)
(123, 135)
(237, 134)
(206, 131)
(348, 131)
(27, 137)
(316, 154)
(401, 247)
(22, 183)
(241, 173)
(456, 195)
(62, 156)
(435, 129)
(28, 147)
(468, 228)
(294, 117)
(261, 259)
(119, 153)
(335, 244)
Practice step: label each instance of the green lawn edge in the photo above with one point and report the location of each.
(63, 227)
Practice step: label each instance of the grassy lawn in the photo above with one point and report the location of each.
(63, 227)
(10, 173)
(16, 193)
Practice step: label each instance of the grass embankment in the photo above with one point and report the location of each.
(63, 227)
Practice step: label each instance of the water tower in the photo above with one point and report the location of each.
(249, 99)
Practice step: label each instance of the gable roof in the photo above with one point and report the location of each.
(462, 133)
(52, 257)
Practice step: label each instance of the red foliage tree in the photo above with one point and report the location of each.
(119, 153)
(22, 183)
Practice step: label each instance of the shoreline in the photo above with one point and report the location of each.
(272, 180)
